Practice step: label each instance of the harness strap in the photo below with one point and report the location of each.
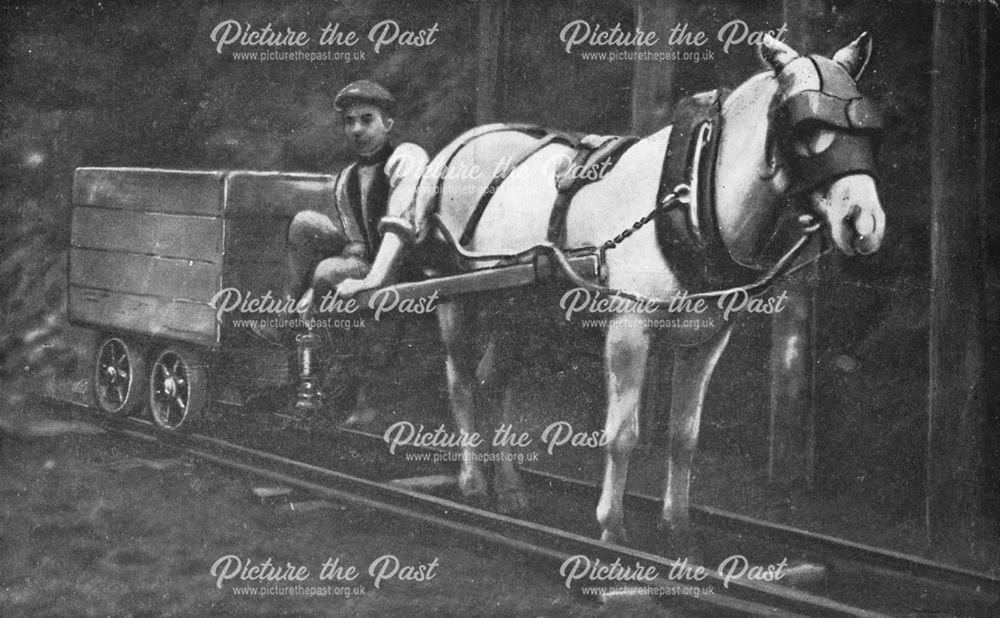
(469, 137)
(502, 174)
(560, 258)
(783, 268)
(582, 172)
(693, 228)
(689, 237)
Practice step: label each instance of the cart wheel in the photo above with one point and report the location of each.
(178, 388)
(119, 376)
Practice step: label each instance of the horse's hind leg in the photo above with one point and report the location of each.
(692, 371)
(457, 321)
(625, 351)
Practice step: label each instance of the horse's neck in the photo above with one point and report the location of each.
(746, 198)
(659, 140)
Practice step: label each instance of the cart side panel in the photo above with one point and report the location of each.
(256, 240)
(148, 315)
(278, 195)
(145, 253)
(186, 237)
(148, 275)
(149, 190)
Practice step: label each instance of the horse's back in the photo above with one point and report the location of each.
(464, 171)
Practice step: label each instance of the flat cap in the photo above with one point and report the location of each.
(364, 91)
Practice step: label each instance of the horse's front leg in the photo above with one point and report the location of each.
(692, 371)
(512, 496)
(457, 321)
(626, 349)
(496, 383)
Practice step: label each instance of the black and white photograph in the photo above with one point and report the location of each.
(474, 308)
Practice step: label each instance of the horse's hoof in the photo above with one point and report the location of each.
(615, 535)
(361, 417)
(478, 501)
(472, 484)
(512, 501)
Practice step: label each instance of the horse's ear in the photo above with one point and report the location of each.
(775, 53)
(854, 58)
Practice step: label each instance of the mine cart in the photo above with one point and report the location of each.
(149, 250)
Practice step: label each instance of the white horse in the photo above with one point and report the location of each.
(761, 150)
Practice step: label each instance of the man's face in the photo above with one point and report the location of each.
(366, 127)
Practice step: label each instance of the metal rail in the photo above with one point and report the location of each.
(550, 545)
(853, 571)
(860, 555)
(865, 556)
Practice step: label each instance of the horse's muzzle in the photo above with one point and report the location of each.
(864, 228)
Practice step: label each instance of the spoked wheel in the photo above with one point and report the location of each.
(119, 376)
(178, 388)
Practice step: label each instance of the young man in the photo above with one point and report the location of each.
(371, 194)
(325, 249)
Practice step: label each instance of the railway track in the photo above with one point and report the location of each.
(827, 576)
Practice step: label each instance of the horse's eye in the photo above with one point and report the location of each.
(811, 142)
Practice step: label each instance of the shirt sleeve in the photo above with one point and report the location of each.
(404, 168)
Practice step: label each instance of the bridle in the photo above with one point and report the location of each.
(838, 106)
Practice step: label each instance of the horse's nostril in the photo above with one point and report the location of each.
(865, 244)
(864, 224)
(852, 214)
(860, 226)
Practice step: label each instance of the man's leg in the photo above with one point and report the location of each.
(325, 277)
(342, 340)
(328, 273)
(312, 239)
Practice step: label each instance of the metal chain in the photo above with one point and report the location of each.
(680, 195)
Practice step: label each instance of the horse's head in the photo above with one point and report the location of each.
(801, 130)
(822, 139)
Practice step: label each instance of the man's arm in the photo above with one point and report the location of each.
(404, 169)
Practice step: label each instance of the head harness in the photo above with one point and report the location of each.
(839, 106)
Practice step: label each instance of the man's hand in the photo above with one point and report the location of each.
(349, 287)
